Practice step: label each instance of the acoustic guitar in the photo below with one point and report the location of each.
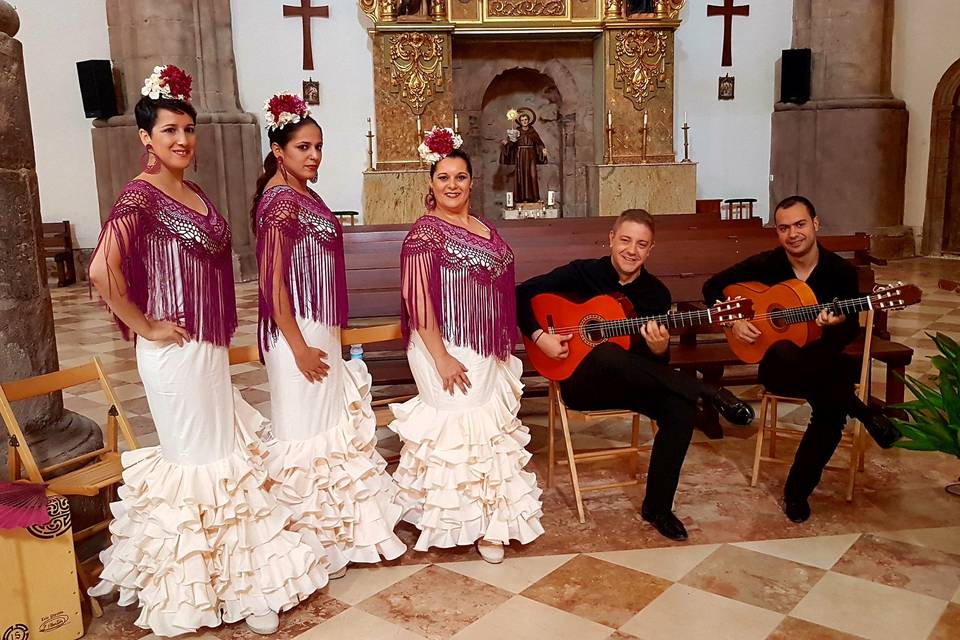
(787, 311)
(608, 318)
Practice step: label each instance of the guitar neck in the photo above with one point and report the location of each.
(631, 326)
(809, 313)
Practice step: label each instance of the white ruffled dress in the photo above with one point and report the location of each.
(324, 461)
(197, 540)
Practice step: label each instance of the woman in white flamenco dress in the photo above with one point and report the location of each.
(461, 474)
(323, 460)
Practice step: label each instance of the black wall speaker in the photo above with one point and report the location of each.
(96, 88)
(795, 76)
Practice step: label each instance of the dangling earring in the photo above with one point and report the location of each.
(283, 169)
(149, 161)
(194, 161)
(430, 201)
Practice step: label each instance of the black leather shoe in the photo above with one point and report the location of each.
(735, 410)
(881, 428)
(666, 523)
(797, 509)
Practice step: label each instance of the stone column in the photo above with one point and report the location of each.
(195, 35)
(845, 149)
(28, 345)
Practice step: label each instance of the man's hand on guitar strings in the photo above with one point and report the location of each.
(656, 335)
(828, 317)
(745, 331)
(554, 345)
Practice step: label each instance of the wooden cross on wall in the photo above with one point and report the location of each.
(728, 10)
(305, 12)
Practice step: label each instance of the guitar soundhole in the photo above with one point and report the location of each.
(777, 322)
(591, 332)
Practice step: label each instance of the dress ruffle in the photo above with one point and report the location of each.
(461, 471)
(336, 484)
(195, 545)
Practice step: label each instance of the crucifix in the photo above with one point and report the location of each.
(305, 12)
(728, 10)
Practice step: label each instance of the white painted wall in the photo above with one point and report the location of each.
(730, 139)
(925, 44)
(269, 55)
(56, 34)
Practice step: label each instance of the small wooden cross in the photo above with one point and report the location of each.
(305, 12)
(728, 10)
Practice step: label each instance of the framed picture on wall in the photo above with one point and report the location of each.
(311, 91)
(725, 90)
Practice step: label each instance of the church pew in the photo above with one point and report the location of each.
(683, 259)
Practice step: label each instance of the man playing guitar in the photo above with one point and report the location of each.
(818, 372)
(640, 379)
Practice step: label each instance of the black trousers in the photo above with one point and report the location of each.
(824, 378)
(614, 378)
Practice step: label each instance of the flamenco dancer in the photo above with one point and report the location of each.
(461, 470)
(197, 540)
(323, 459)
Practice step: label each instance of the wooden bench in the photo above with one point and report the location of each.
(58, 244)
(690, 248)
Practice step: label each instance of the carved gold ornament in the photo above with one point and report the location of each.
(640, 60)
(369, 7)
(417, 68)
(670, 7)
(527, 8)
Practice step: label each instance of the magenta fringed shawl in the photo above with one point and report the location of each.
(299, 236)
(177, 263)
(462, 282)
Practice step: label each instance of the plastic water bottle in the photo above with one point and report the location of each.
(356, 352)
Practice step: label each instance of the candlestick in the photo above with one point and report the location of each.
(419, 130)
(456, 123)
(509, 200)
(644, 119)
(684, 117)
(608, 152)
(686, 141)
(609, 118)
(370, 137)
(551, 195)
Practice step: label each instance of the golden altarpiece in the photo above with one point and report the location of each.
(599, 73)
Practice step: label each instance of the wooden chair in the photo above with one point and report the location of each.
(99, 471)
(631, 452)
(852, 440)
(58, 244)
(348, 336)
(350, 216)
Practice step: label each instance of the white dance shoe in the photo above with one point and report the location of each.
(492, 552)
(264, 625)
(338, 574)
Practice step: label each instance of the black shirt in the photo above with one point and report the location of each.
(832, 277)
(583, 279)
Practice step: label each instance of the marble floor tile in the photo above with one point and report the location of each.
(948, 627)
(601, 591)
(670, 563)
(354, 624)
(869, 609)
(692, 614)
(435, 603)
(901, 564)
(361, 582)
(817, 551)
(117, 623)
(797, 629)
(513, 574)
(754, 578)
(942, 538)
(524, 619)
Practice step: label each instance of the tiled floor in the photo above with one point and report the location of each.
(885, 566)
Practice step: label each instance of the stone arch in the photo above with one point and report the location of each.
(941, 220)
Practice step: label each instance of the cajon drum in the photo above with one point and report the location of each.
(40, 594)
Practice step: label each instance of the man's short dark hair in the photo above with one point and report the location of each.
(790, 201)
(640, 216)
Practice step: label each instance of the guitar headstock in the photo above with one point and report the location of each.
(733, 309)
(895, 296)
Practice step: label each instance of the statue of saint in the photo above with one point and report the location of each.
(408, 7)
(524, 148)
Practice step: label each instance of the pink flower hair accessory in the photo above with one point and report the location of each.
(282, 109)
(168, 81)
